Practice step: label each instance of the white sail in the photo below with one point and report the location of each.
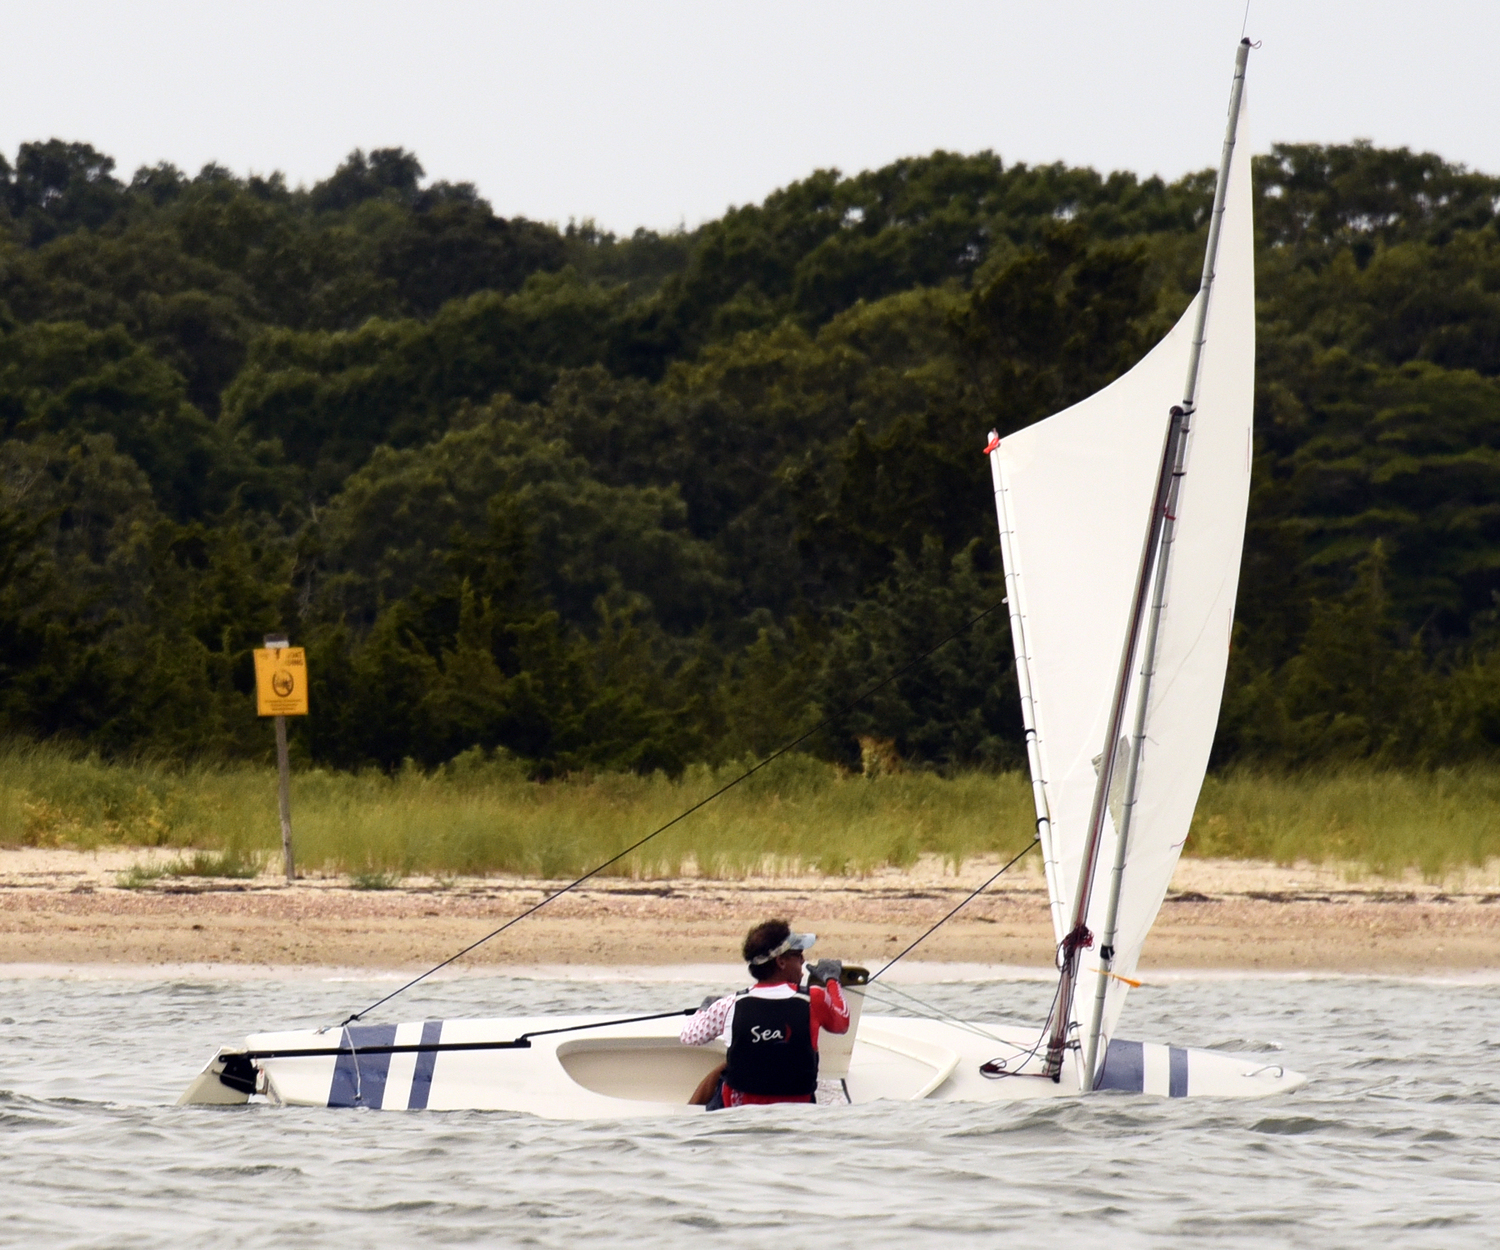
(1074, 494)
(1202, 581)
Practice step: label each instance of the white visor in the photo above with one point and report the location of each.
(794, 942)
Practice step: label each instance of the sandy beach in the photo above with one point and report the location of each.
(68, 908)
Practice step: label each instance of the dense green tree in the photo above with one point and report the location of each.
(957, 709)
(1324, 200)
(329, 399)
(57, 187)
(633, 502)
(402, 520)
(1356, 452)
(55, 678)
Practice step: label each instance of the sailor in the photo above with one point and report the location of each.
(772, 1028)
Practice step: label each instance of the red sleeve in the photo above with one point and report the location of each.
(829, 1010)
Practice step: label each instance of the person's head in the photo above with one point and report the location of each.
(774, 952)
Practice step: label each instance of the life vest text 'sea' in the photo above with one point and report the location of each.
(770, 1047)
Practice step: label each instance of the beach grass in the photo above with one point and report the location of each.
(481, 815)
(1379, 820)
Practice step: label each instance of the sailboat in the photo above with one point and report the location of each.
(1121, 524)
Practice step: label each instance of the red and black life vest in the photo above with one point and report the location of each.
(770, 1047)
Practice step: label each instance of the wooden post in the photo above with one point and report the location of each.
(281, 691)
(284, 767)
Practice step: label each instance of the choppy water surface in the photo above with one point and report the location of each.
(1396, 1141)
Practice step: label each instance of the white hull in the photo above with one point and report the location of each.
(596, 1070)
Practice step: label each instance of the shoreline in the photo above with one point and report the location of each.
(908, 972)
(65, 910)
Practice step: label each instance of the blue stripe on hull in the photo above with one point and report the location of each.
(421, 1081)
(1124, 1068)
(1178, 1087)
(359, 1080)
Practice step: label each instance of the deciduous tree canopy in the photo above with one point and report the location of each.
(607, 502)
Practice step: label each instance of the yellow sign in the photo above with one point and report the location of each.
(281, 681)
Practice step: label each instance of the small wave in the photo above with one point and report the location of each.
(1442, 1221)
(235, 1171)
(1295, 1125)
(1246, 1046)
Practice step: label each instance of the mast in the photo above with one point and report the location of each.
(1028, 705)
(1165, 522)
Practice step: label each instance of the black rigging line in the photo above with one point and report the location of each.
(998, 1067)
(972, 896)
(635, 846)
(521, 1042)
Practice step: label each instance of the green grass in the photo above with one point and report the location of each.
(477, 816)
(230, 863)
(375, 880)
(199, 864)
(139, 876)
(1377, 819)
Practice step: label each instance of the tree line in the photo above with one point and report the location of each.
(607, 502)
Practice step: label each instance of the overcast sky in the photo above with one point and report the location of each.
(660, 113)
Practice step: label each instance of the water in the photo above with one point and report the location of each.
(1395, 1142)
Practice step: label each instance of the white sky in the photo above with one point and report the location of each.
(660, 112)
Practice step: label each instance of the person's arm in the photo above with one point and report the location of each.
(829, 1007)
(707, 1022)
